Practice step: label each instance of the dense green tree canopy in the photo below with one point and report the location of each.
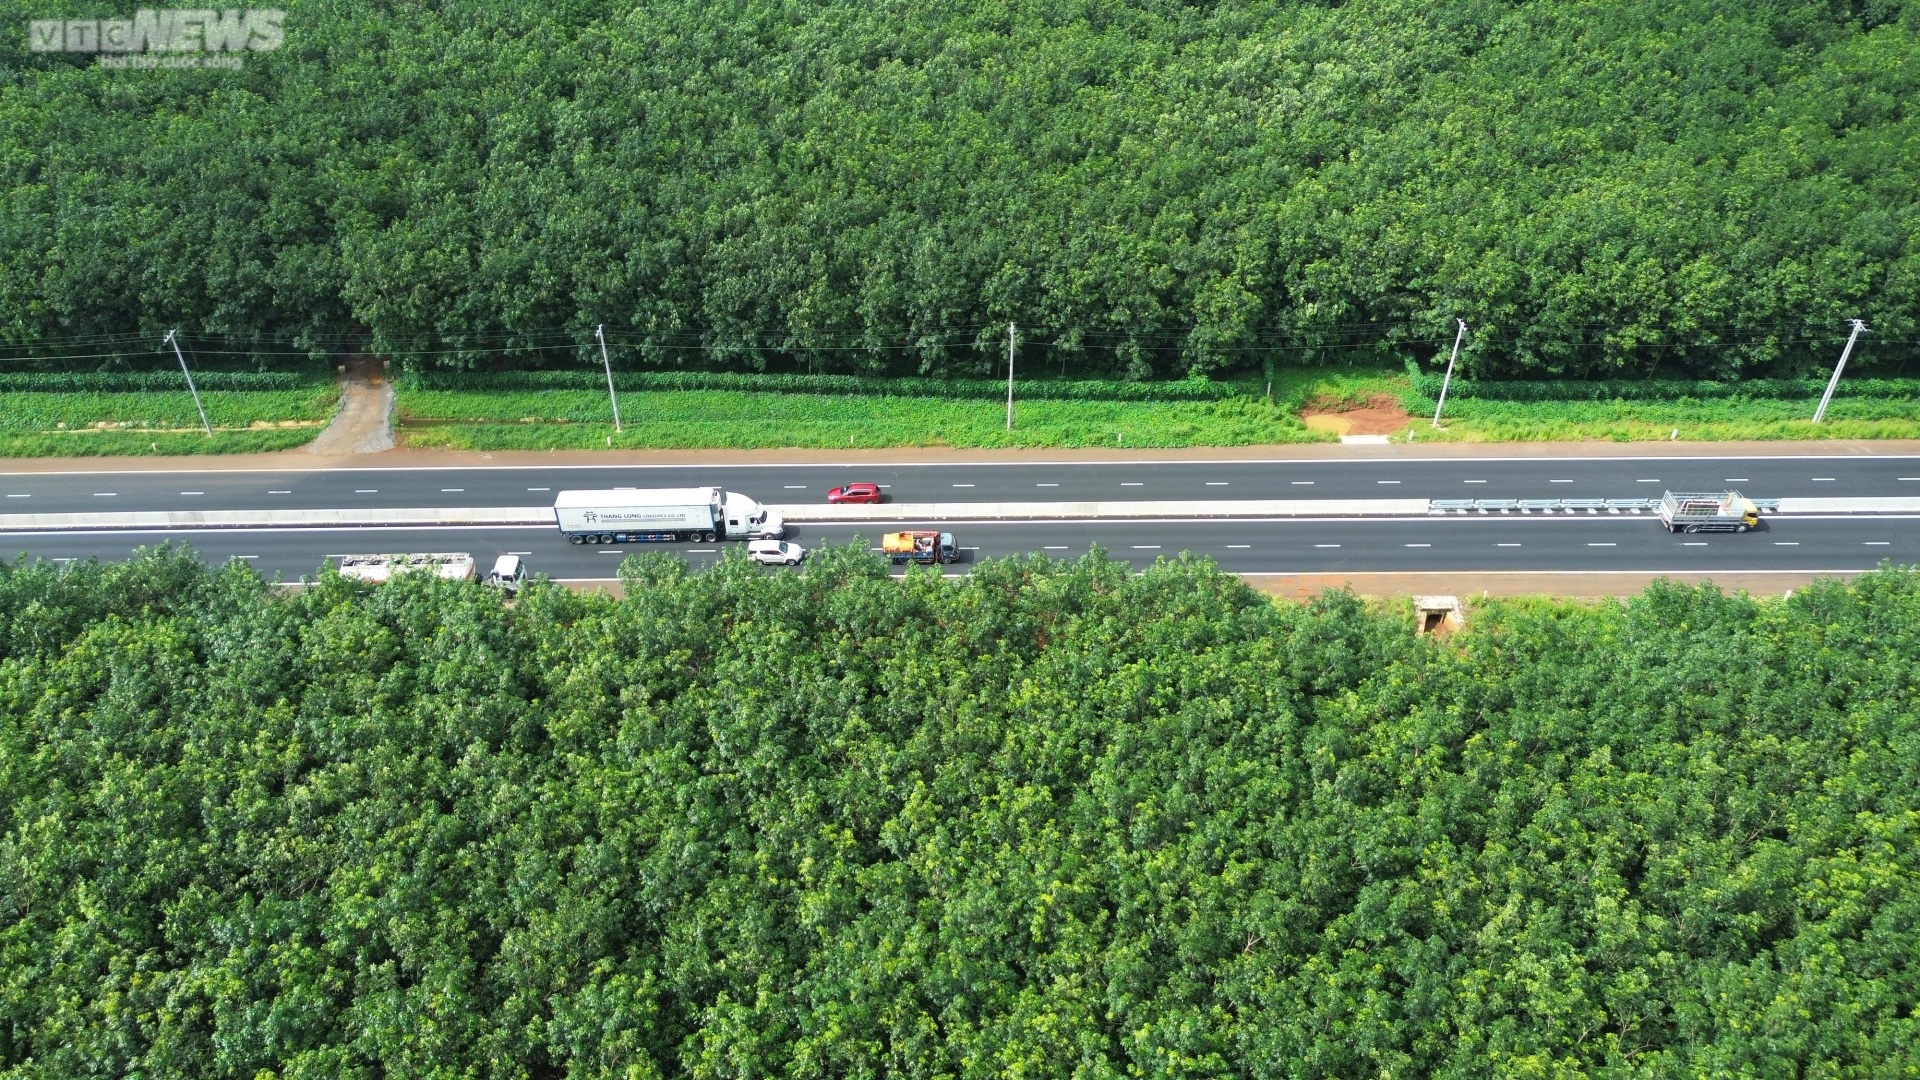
(1146, 187)
(1055, 820)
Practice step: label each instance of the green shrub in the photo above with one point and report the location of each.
(146, 382)
(1427, 384)
(1053, 820)
(969, 389)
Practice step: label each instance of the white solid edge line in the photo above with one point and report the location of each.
(1546, 519)
(1524, 573)
(1868, 456)
(1359, 573)
(232, 531)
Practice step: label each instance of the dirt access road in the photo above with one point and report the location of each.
(364, 422)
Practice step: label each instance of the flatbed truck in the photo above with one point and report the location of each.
(1712, 511)
(451, 565)
(926, 547)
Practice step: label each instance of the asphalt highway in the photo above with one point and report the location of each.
(1561, 543)
(1518, 478)
(1453, 543)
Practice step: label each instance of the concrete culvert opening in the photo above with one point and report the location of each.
(1438, 614)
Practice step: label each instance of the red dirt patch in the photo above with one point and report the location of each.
(1380, 415)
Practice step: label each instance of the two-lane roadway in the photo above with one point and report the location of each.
(1519, 478)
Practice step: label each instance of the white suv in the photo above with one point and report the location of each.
(775, 552)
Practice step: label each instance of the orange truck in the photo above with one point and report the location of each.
(926, 548)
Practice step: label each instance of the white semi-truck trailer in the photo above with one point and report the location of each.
(663, 515)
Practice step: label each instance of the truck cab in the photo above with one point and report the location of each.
(748, 520)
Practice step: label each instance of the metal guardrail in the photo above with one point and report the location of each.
(1562, 506)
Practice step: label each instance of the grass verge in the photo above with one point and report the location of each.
(527, 419)
(566, 419)
(98, 423)
(97, 443)
(1475, 420)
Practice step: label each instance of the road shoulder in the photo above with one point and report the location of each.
(301, 460)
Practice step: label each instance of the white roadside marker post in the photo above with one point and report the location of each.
(173, 339)
(1009, 376)
(1448, 381)
(598, 332)
(1821, 412)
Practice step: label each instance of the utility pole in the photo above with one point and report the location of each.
(173, 339)
(1859, 327)
(1009, 376)
(599, 332)
(1448, 380)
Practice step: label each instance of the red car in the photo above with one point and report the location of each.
(855, 493)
